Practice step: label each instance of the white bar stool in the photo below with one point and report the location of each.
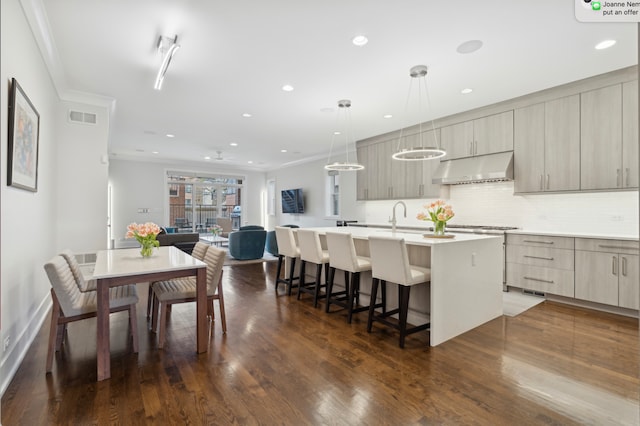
(390, 263)
(287, 248)
(342, 252)
(311, 251)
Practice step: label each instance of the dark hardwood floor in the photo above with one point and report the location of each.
(284, 362)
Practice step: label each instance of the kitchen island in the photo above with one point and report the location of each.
(466, 278)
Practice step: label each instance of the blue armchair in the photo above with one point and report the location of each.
(247, 243)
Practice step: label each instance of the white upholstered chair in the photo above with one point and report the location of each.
(311, 252)
(182, 290)
(287, 248)
(71, 304)
(343, 256)
(390, 263)
(84, 285)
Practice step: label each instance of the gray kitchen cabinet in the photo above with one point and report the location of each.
(607, 271)
(547, 146)
(630, 134)
(486, 135)
(541, 263)
(601, 138)
(384, 173)
(366, 178)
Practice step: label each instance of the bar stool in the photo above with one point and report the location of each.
(287, 248)
(390, 263)
(311, 251)
(342, 252)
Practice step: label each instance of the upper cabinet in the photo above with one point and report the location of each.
(547, 146)
(486, 135)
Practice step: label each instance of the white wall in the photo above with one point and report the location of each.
(136, 185)
(605, 213)
(311, 177)
(28, 219)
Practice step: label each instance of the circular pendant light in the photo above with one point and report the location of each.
(347, 165)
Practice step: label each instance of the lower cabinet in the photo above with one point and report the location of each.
(607, 272)
(541, 263)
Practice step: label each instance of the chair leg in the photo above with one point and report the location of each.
(301, 283)
(372, 302)
(53, 331)
(163, 325)
(316, 290)
(223, 316)
(133, 323)
(353, 294)
(62, 331)
(279, 270)
(403, 298)
(292, 270)
(154, 316)
(150, 298)
(332, 275)
(384, 297)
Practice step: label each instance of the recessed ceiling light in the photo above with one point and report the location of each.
(250, 162)
(287, 88)
(466, 91)
(605, 44)
(469, 46)
(155, 152)
(207, 158)
(233, 144)
(171, 135)
(246, 115)
(336, 133)
(283, 150)
(360, 40)
(387, 116)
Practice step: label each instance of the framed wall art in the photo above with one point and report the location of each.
(24, 132)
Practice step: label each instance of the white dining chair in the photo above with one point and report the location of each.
(390, 263)
(311, 252)
(84, 285)
(183, 290)
(343, 256)
(71, 304)
(287, 249)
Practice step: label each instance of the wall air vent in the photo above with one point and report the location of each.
(82, 117)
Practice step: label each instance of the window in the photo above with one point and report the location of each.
(333, 193)
(174, 190)
(271, 197)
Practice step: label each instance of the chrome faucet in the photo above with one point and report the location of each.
(393, 220)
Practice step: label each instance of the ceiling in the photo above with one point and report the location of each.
(236, 55)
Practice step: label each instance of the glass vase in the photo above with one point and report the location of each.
(147, 249)
(439, 228)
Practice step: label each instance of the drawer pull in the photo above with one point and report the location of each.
(539, 279)
(538, 257)
(539, 242)
(604, 246)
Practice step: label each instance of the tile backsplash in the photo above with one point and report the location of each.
(611, 213)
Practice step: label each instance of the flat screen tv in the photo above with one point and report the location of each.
(292, 201)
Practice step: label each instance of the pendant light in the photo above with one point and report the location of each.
(424, 151)
(345, 166)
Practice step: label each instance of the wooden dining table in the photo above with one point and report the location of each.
(126, 266)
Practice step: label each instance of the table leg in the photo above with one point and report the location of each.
(201, 309)
(103, 348)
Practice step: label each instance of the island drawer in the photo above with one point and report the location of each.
(541, 241)
(607, 246)
(541, 256)
(547, 280)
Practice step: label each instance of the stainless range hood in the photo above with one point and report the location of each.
(482, 168)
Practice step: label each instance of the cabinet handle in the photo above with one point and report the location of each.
(604, 246)
(614, 265)
(547, 181)
(390, 192)
(471, 148)
(618, 177)
(538, 257)
(475, 147)
(541, 186)
(624, 266)
(539, 279)
(627, 177)
(539, 242)
(421, 189)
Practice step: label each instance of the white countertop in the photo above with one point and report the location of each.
(628, 237)
(410, 236)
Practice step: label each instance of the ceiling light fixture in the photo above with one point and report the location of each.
(387, 116)
(246, 115)
(167, 48)
(287, 88)
(345, 166)
(171, 135)
(420, 152)
(360, 40)
(233, 144)
(466, 91)
(605, 44)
